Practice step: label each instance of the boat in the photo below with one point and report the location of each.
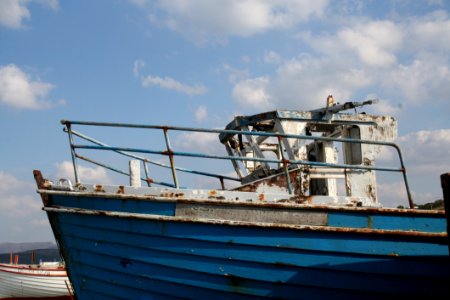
(300, 219)
(46, 280)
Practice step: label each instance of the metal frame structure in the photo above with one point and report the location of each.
(280, 137)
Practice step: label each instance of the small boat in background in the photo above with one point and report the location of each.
(44, 280)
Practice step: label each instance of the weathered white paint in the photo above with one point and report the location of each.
(135, 173)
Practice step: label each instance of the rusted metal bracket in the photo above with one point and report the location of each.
(42, 185)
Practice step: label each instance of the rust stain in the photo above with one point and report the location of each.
(368, 162)
(261, 197)
(167, 195)
(121, 190)
(278, 180)
(41, 183)
(172, 195)
(371, 192)
(309, 199)
(99, 188)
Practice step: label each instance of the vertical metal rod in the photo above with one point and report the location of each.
(445, 183)
(172, 164)
(72, 151)
(285, 166)
(146, 172)
(222, 184)
(405, 178)
(234, 162)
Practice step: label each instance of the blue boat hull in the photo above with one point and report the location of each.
(137, 248)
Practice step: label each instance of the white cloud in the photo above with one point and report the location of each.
(307, 81)
(17, 197)
(427, 77)
(425, 154)
(427, 151)
(301, 83)
(13, 13)
(430, 32)
(8, 182)
(171, 84)
(253, 93)
(392, 194)
(138, 65)
(203, 142)
(375, 43)
(272, 57)
(86, 174)
(21, 216)
(206, 20)
(19, 91)
(407, 61)
(246, 59)
(386, 107)
(201, 113)
(52, 4)
(235, 75)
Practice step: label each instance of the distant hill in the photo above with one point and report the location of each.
(48, 255)
(438, 204)
(21, 247)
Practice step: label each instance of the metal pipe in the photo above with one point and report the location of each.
(285, 165)
(299, 162)
(239, 133)
(73, 154)
(119, 171)
(232, 132)
(405, 178)
(170, 153)
(146, 172)
(145, 160)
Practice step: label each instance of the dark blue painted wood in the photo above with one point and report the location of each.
(284, 256)
(308, 240)
(135, 258)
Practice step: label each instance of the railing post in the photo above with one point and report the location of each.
(135, 173)
(72, 151)
(405, 178)
(172, 164)
(147, 178)
(445, 183)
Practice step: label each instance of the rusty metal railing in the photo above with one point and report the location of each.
(129, 152)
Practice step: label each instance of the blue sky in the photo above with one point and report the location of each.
(198, 63)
